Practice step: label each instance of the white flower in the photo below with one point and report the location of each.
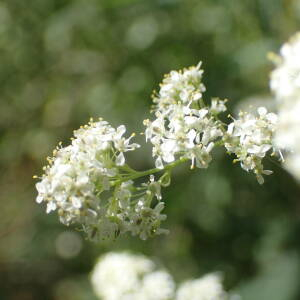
(285, 79)
(288, 133)
(285, 84)
(185, 86)
(250, 137)
(292, 163)
(158, 285)
(124, 276)
(218, 106)
(117, 275)
(184, 126)
(123, 145)
(209, 287)
(78, 174)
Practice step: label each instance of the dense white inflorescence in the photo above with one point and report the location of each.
(158, 285)
(285, 84)
(250, 138)
(209, 287)
(89, 183)
(124, 276)
(184, 126)
(285, 79)
(78, 175)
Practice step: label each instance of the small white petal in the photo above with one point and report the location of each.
(262, 111)
(120, 160)
(159, 163)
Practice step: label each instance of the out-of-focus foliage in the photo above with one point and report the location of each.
(63, 61)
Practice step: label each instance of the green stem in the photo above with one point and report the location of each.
(139, 174)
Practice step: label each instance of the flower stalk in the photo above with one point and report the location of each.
(139, 174)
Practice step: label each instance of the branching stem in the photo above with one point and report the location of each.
(139, 174)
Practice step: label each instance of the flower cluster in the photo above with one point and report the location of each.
(285, 84)
(90, 184)
(86, 182)
(184, 126)
(205, 288)
(120, 276)
(285, 79)
(124, 276)
(250, 138)
(132, 208)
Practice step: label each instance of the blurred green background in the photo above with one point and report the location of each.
(64, 61)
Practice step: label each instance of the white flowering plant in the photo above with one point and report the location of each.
(89, 182)
(285, 84)
(126, 276)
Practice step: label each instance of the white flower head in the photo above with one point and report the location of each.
(184, 126)
(285, 79)
(77, 175)
(158, 285)
(250, 138)
(125, 276)
(209, 287)
(120, 276)
(285, 84)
